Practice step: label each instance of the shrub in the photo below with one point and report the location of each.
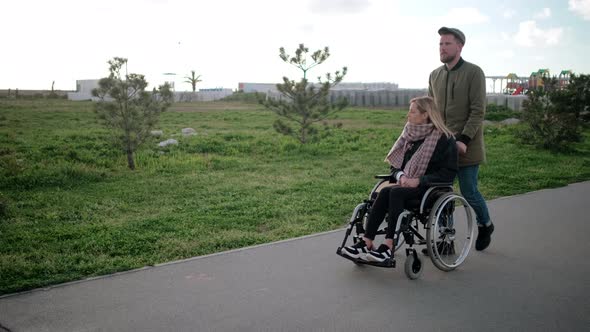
(3, 206)
(248, 97)
(500, 112)
(552, 116)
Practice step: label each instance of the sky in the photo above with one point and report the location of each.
(232, 41)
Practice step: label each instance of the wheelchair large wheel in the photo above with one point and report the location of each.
(450, 232)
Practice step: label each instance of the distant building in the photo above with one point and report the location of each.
(375, 86)
(257, 87)
(83, 90)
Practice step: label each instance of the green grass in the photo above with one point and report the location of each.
(70, 209)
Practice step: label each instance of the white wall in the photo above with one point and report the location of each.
(84, 90)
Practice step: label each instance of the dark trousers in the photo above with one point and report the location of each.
(391, 200)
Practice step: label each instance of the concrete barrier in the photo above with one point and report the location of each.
(401, 98)
(6, 93)
(381, 98)
(512, 102)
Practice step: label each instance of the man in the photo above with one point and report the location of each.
(459, 90)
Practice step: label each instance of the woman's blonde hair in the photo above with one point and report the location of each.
(426, 104)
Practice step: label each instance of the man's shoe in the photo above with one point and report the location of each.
(380, 255)
(444, 248)
(358, 250)
(484, 238)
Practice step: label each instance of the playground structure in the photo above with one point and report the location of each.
(520, 85)
(537, 78)
(515, 85)
(564, 78)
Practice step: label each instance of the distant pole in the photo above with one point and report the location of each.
(172, 83)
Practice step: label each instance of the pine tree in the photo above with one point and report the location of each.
(304, 103)
(125, 107)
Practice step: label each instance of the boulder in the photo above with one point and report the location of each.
(188, 131)
(157, 133)
(167, 142)
(510, 121)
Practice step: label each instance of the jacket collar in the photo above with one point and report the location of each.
(457, 66)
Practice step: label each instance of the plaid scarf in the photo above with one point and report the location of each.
(416, 166)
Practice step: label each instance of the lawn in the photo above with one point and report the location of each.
(70, 209)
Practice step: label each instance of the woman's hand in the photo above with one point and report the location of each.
(407, 182)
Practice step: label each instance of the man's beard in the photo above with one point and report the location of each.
(446, 58)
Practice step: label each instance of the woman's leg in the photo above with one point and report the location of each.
(396, 201)
(376, 215)
(398, 196)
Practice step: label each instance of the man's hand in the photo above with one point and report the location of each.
(404, 181)
(461, 147)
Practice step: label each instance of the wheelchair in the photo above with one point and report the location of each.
(444, 216)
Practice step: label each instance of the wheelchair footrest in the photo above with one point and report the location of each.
(388, 263)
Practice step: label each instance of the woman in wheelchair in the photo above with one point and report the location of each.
(424, 154)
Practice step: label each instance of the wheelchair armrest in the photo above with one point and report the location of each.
(383, 176)
(440, 184)
(431, 189)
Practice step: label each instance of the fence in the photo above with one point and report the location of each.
(401, 98)
(17, 93)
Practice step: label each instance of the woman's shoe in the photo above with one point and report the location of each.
(380, 255)
(358, 250)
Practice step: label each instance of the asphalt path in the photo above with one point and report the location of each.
(535, 276)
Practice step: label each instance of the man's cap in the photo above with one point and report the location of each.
(453, 31)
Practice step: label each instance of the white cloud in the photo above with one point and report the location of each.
(506, 54)
(529, 35)
(462, 16)
(509, 13)
(543, 14)
(580, 7)
(339, 6)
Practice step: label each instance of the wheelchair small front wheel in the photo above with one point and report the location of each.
(413, 266)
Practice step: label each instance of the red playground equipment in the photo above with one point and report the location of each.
(516, 85)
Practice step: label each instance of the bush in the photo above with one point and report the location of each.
(580, 97)
(553, 117)
(248, 97)
(3, 206)
(500, 112)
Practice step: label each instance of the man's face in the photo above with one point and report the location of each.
(449, 48)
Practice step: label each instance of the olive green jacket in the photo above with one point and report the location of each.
(460, 95)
